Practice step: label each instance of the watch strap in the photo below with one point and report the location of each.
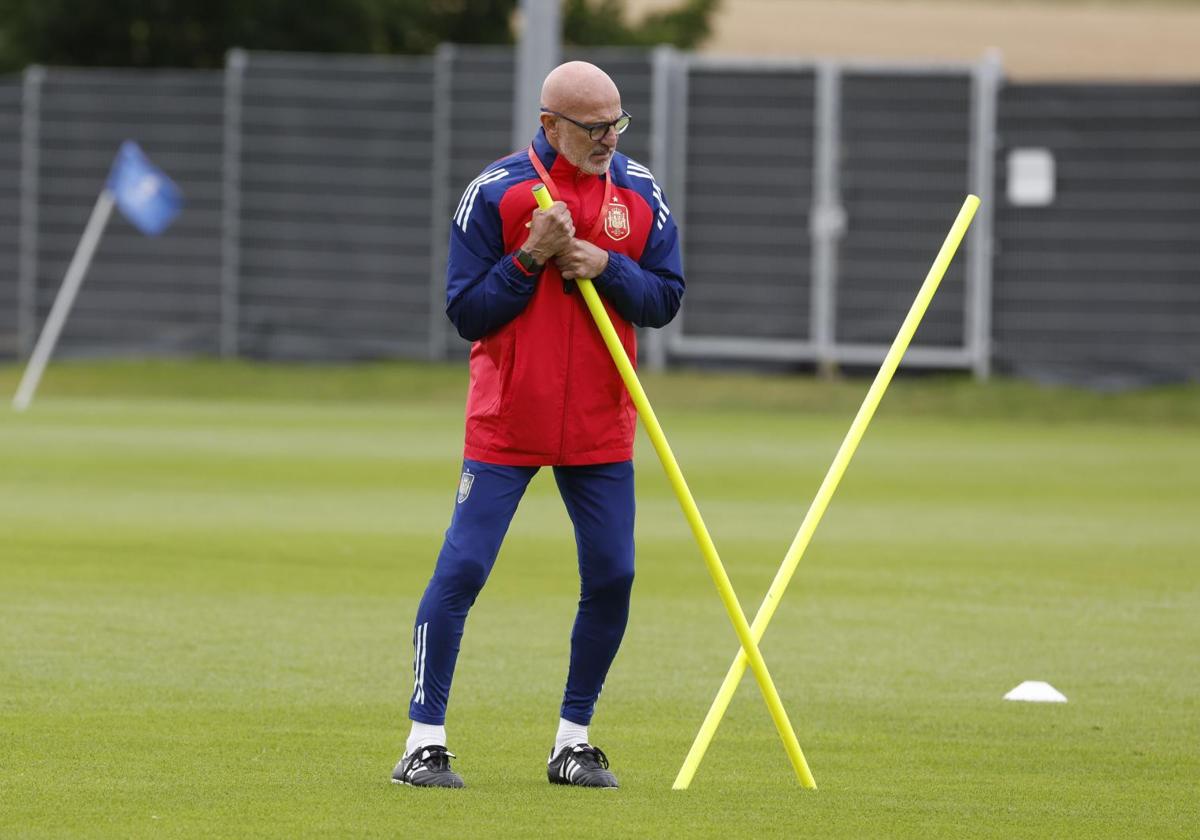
(528, 261)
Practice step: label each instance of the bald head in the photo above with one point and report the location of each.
(583, 93)
(578, 86)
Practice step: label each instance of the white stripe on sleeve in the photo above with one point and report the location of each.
(467, 202)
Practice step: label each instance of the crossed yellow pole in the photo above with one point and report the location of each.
(832, 478)
(692, 513)
(749, 636)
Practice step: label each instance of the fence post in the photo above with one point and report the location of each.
(662, 163)
(538, 52)
(439, 200)
(31, 116)
(675, 178)
(985, 91)
(828, 218)
(231, 202)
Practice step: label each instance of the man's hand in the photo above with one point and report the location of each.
(550, 232)
(581, 259)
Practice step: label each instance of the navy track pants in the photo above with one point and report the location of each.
(600, 502)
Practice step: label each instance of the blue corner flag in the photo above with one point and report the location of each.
(146, 196)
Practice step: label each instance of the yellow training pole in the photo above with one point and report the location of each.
(692, 513)
(836, 470)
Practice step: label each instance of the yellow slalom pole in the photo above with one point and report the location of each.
(832, 478)
(825, 493)
(724, 586)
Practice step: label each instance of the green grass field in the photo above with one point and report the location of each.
(208, 575)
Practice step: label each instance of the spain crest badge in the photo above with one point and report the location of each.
(616, 221)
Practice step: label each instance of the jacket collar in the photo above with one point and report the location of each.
(544, 151)
(557, 165)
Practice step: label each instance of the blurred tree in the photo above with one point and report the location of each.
(197, 33)
(595, 22)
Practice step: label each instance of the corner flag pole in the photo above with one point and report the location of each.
(832, 478)
(750, 651)
(64, 300)
(148, 199)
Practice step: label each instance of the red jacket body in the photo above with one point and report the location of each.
(544, 389)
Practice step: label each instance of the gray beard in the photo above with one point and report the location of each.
(585, 165)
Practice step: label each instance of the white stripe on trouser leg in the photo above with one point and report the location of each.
(424, 650)
(416, 662)
(419, 664)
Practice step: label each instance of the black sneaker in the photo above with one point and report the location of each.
(582, 765)
(427, 767)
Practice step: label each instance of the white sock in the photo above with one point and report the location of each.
(424, 735)
(569, 734)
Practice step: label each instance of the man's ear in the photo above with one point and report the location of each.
(550, 124)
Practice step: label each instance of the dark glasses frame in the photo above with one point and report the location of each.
(597, 131)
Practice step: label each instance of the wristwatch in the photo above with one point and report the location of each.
(527, 261)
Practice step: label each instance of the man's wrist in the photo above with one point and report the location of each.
(599, 276)
(529, 261)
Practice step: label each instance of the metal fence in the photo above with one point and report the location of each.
(811, 198)
(331, 179)
(1102, 284)
(142, 295)
(10, 215)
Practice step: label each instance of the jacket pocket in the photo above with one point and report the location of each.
(508, 373)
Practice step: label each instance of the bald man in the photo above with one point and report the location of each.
(545, 392)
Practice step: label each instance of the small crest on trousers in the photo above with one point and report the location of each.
(464, 485)
(616, 221)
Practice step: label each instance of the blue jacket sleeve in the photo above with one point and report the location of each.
(485, 288)
(647, 292)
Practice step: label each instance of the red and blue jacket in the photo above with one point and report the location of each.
(544, 389)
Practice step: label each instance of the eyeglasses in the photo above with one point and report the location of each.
(598, 131)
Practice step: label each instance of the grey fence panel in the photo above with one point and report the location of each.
(904, 174)
(142, 295)
(334, 230)
(10, 212)
(343, 172)
(481, 95)
(748, 192)
(1103, 284)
